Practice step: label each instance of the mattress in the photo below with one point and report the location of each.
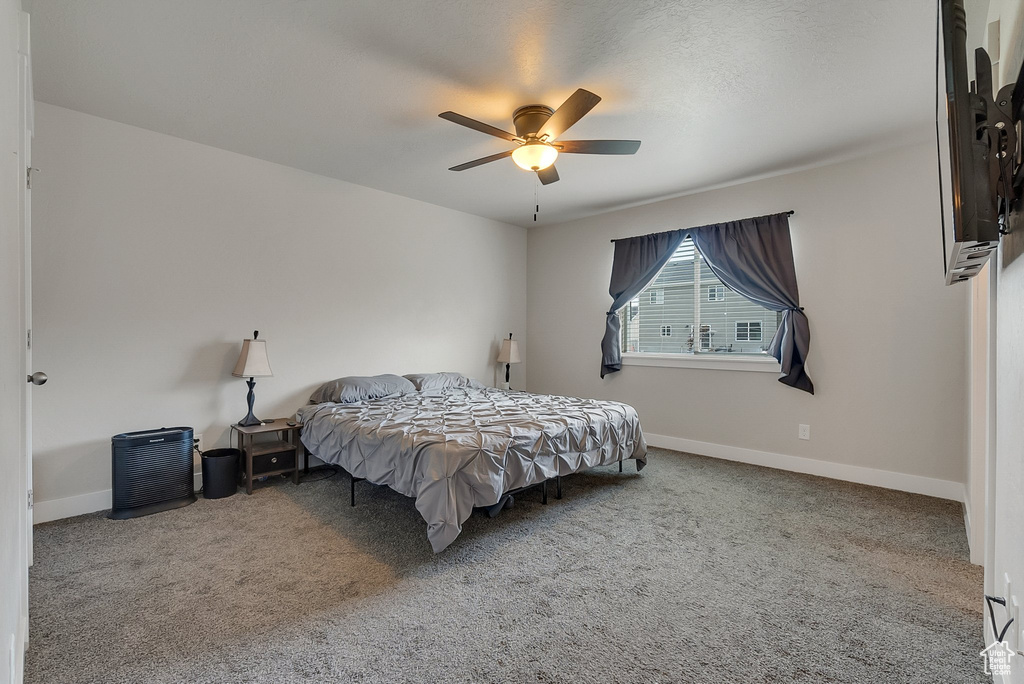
(456, 449)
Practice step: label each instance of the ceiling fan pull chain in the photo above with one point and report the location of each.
(536, 201)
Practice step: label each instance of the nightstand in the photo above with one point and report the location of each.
(273, 457)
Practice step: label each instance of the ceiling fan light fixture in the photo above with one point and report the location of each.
(534, 156)
(537, 128)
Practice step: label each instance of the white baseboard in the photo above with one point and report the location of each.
(967, 520)
(916, 484)
(69, 507)
(55, 509)
(975, 546)
(967, 526)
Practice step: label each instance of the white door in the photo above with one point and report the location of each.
(25, 206)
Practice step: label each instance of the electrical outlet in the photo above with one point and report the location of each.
(804, 432)
(197, 443)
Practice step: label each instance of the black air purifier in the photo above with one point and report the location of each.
(152, 471)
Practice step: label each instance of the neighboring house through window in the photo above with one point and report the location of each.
(686, 296)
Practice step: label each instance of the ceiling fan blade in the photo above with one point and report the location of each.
(481, 161)
(571, 111)
(598, 146)
(479, 126)
(548, 175)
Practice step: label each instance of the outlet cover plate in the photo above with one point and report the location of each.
(804, 432)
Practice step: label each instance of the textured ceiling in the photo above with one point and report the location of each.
(717, 90)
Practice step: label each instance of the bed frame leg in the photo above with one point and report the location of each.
(544, 492)
(353, 485)
(558, 486)
(620, 466)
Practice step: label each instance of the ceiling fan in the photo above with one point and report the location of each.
(537, 131)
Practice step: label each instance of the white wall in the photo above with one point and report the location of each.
(979, 360)
(888, 338)
(1007, 554)
(154, 257)
(12, 556)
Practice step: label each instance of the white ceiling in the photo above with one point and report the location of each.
(717, 90)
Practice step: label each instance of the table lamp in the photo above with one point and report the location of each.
(508, 355)
(253, 363)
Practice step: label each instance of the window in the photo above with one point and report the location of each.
(685, 311)
(748, 331)
(706, 333)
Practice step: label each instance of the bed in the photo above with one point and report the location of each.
(458, 445)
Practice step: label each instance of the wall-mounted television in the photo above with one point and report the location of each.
(967, 175)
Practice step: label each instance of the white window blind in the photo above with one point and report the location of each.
(687, 310)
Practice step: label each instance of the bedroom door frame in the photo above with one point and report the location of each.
(991, 586)
(26, 117)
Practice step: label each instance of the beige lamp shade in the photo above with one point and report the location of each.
(509, 352)
(253, 361)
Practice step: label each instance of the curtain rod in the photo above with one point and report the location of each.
(787, 213)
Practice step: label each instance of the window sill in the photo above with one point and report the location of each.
(730, 362)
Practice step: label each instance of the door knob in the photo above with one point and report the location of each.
(38, 378)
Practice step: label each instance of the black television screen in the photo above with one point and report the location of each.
(970, 227)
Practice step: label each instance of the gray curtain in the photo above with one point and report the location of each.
(636, 263)
(754, 257)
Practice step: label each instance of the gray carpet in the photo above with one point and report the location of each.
(696, 570)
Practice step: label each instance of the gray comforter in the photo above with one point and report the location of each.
(459, 448)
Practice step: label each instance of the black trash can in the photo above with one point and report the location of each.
(220, 473)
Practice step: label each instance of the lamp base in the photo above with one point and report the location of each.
(251, 420)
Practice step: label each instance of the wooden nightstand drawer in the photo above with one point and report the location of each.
(273, 461)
